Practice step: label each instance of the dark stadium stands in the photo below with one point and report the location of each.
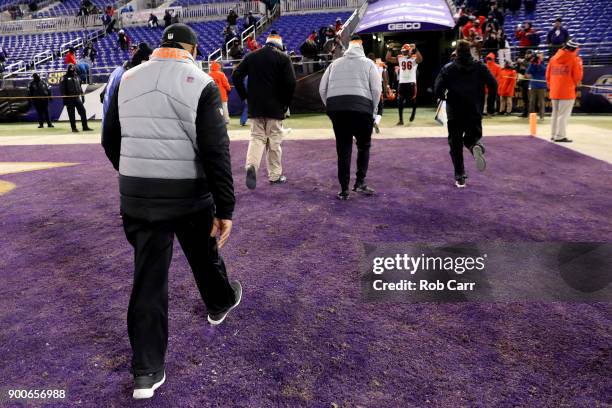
(295, 28)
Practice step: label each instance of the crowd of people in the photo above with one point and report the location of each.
(481, 24)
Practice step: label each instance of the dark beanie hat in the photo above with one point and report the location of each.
(142, 54)
(180, 32)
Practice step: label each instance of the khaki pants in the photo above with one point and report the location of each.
(537, 97)
(226, 113)
(561, 112)
(266, 135)
(505, 104)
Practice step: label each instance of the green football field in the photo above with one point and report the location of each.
(424, 118)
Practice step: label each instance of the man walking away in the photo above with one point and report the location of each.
(350, 89)
(462, 83)
(165, 134)
(537, 84)
(563, 75)
(70, 88)
(39, 90)
(269, 92)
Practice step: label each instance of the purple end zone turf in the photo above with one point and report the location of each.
(302, 335)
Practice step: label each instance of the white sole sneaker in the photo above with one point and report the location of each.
(144, 393)
(222, 318)
(481, 164)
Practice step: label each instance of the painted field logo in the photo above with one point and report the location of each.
(404, 26)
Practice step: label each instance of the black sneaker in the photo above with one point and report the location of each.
(40, 126)
(87, 129)
(412, 116)
(564, 140)
(75, 130)
(251, 178)
(363, 189)
(478, 153)
(50, 125)
(460, 182)
(343, 195)
(145, 385)
(376, 128)
(280, 180)
(217, 318)
(400, 123)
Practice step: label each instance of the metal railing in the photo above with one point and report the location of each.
(200, 12)
(591, 53)
(14, 68)
(289, 6)
(42, 57)
(45, 25)
(349, 26)
(216, 55)
(260, 25)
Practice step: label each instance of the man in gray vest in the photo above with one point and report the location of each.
(350, 90)
(165, 133)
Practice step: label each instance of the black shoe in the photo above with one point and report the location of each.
(75, 130)
(281, 180)
(412, 117)
(343, 195)
(376, 128)
(363, 189)
(478, 153)
(564, 140)
(217, 318)
(400, 123)
(460, 182)
(145, 385)
(40, 126)
(251, 178)
(87, 129)
(50, 125)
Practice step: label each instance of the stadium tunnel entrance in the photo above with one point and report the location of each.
(388, 24)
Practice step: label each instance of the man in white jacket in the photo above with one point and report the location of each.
(350, 90)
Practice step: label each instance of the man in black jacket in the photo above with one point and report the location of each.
(270, 89)
(39, 90)
(462, 83)
(165, 133)
(70, 88)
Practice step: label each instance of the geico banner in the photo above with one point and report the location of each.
(404, 26)
(405, 15)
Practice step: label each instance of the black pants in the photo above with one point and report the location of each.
(71, 105)
(463, 133)
(42, 109)
(147, 317)
(525, 96)
(346, 125)
(380, 108)
(492, 104)
(406, 96)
